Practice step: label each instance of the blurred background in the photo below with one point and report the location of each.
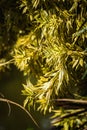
(10, 87)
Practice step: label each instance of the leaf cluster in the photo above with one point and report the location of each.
(49, 47)
(53, 53)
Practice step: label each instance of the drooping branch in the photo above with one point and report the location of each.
(20, 106)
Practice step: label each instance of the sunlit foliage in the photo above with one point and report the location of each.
(51, 49)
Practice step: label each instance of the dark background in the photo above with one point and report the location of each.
(10, 87)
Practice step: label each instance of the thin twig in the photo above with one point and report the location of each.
(68, 115)
(7, 103)
(80, 103)
(18, 105)
(8, 62)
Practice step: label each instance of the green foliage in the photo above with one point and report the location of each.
(50, 48)
(54, 51)
(69, 119)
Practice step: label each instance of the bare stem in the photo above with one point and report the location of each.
(18, 105)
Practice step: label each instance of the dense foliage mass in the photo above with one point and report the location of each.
(47, 40)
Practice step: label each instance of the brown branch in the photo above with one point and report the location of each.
(18, 105)
(71, 103)
(80, 105)
(56, 120)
